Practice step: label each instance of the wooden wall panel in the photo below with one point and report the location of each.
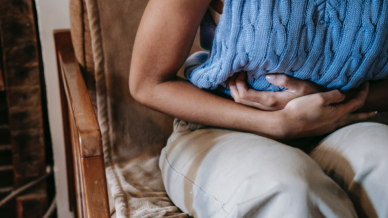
(21, 118)
(28, 154)
(21, 68)
(6, 173)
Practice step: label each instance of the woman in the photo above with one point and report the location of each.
(233, 163)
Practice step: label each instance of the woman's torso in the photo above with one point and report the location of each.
(336, 46)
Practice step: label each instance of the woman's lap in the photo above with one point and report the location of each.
(356, 157)
(220, 173)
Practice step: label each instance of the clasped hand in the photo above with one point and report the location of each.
(270, 101)
(304, 110)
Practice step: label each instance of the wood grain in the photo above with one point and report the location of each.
(80, 106)
(62, 40)
(83, 138)
(94, 186)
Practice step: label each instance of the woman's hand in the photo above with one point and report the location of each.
(322, 113)
(270, 101)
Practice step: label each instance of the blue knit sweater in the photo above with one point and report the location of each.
(338, 44)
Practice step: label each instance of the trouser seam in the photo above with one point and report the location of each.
(168, 162)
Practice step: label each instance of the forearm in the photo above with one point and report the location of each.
(181, 99)
(377, 99)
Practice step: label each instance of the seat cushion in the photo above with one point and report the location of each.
(103, 35)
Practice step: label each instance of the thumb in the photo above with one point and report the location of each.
(332, 97)
(283, 80)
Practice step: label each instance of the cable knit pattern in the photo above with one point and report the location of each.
(338, 44)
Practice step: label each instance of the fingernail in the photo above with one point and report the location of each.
(270, 77)
(376, 112)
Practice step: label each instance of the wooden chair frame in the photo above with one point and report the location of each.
(85, 161)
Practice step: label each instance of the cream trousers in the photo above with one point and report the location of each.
(213, 173)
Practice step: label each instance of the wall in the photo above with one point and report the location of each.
(54, 14)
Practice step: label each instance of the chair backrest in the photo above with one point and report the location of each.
(103, 34)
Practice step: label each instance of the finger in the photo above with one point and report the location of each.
(232, 87)
(249, 94)
(283, 80)
(355, 118)
(242, 85)
(233, 78)
(331, 97)
(292, 84)
(270, 99)
(357, 102)
(241, 94)
(236, 96)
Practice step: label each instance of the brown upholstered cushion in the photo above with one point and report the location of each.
(80, 33)
(82, 42)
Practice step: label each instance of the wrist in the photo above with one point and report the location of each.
(277, 127)
(287, 127)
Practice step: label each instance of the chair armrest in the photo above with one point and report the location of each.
(83, 144)
(80, 105)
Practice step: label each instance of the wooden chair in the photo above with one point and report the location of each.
(112, 142)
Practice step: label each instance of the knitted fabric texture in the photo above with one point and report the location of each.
(338, 44)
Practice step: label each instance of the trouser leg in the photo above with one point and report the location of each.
(356, 157)
(220, 173)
